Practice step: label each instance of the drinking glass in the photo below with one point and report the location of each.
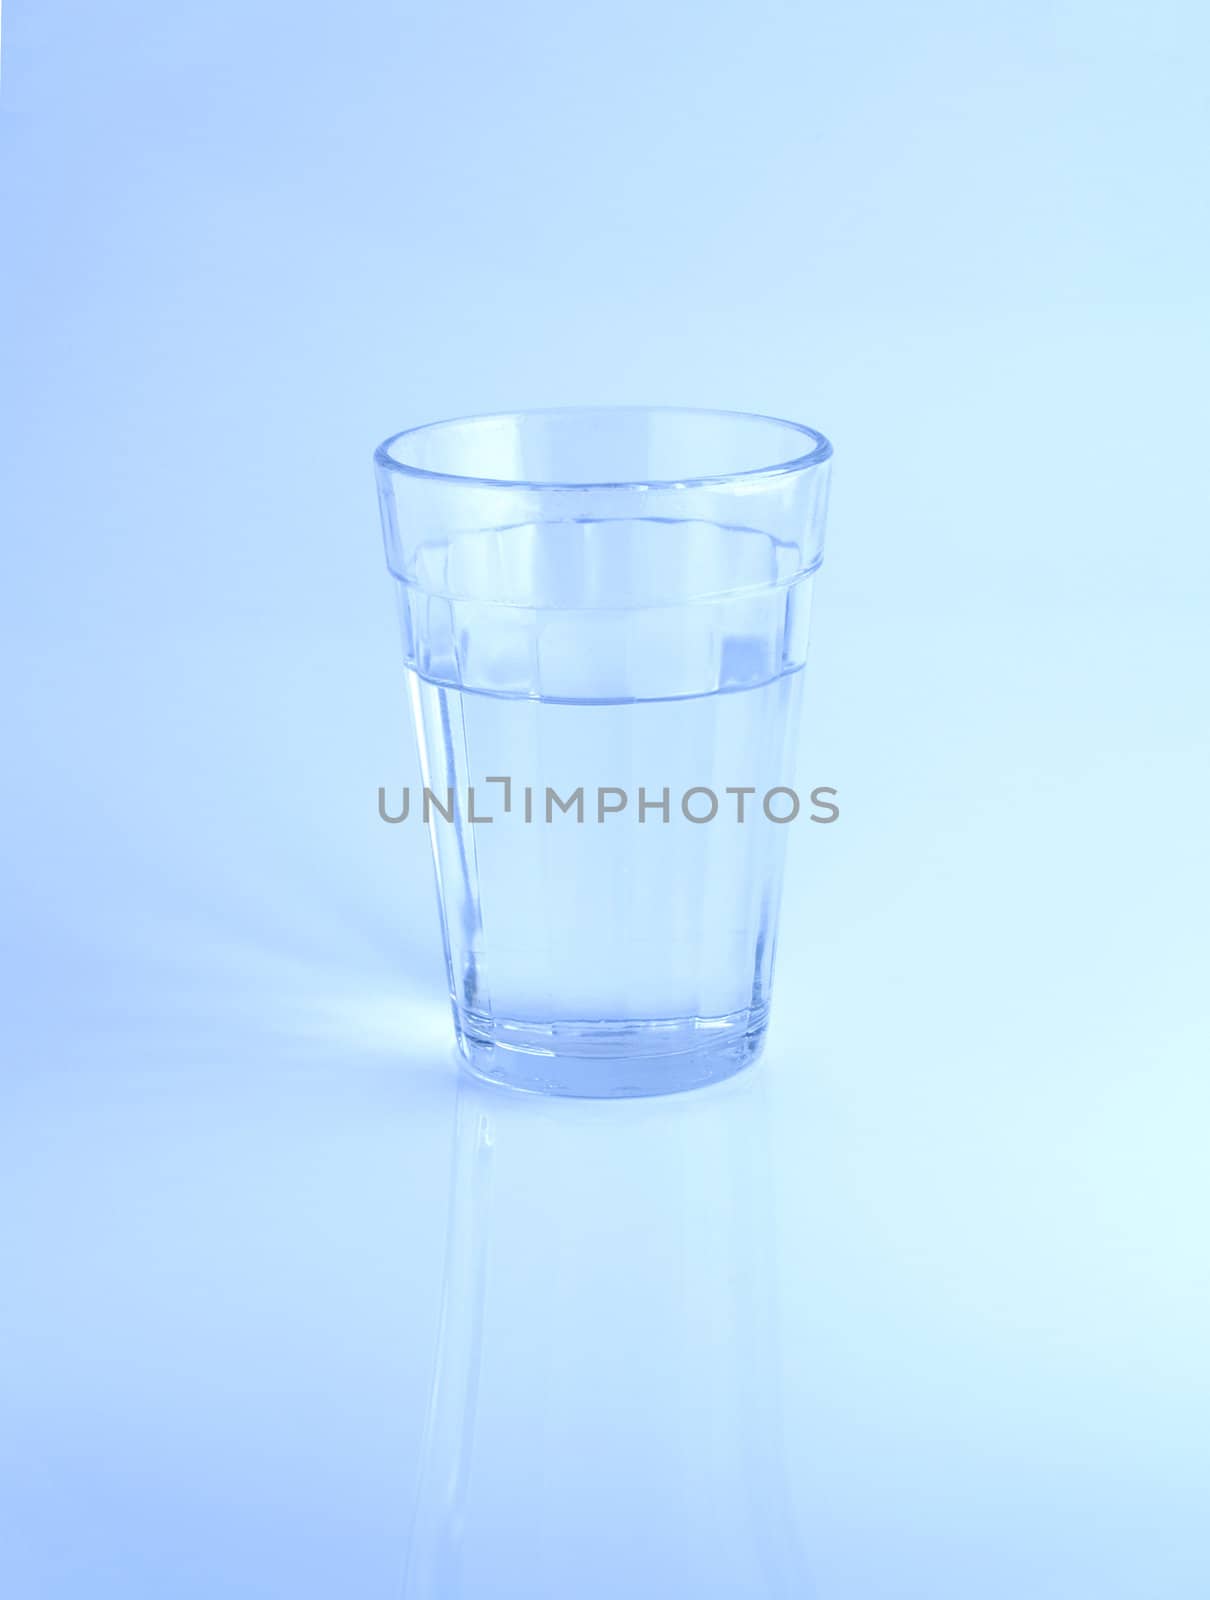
(604, 617)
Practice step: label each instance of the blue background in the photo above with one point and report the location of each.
(242, 243)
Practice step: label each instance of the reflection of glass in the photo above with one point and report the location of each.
(607, 607)
(605, 1410)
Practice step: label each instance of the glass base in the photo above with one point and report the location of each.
(609, 1060)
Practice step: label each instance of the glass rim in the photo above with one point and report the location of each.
(819, 452)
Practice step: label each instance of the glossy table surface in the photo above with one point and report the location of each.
(968, 1198)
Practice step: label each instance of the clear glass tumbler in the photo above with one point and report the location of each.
(604, 618)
